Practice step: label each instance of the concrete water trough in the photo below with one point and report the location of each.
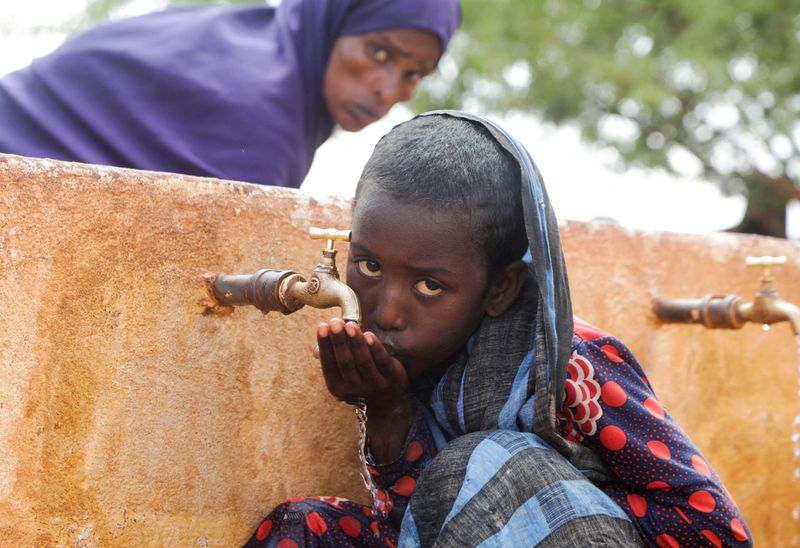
(131, 415)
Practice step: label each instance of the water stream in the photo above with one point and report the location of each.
(796, 443)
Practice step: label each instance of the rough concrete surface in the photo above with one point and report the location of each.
(130, 417)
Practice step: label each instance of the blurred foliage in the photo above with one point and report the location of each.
(707, 88)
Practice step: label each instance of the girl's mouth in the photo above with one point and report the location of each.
(390, 349)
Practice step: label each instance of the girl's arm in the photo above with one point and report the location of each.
(665, 484)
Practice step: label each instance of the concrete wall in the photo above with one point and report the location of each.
(735, 392)
(130, 417)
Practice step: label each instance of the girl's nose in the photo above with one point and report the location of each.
(389, 314)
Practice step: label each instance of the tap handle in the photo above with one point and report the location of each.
(766, 262)
(329, 234)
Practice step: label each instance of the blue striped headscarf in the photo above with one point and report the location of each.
(501, 477)
(510, 382)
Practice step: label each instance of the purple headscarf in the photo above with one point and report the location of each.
(228, 92)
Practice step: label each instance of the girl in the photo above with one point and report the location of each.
(495, 419)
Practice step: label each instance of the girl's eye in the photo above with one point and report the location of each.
(368, 268)
(378, 53)
(429, 288)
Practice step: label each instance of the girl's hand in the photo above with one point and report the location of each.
(357, 367)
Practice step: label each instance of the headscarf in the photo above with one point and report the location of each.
(228, 92)
(512, 374)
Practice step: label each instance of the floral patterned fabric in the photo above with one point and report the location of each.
(665, 484)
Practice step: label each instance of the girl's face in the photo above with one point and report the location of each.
(368, 73)
(420, 278)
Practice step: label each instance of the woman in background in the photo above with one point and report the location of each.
(245, 93)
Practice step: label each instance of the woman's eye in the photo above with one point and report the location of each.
(413, 77)
(429, 288)
(378, 53)
(368, 268)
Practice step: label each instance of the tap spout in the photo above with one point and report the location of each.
(767, 308)
(322, 290)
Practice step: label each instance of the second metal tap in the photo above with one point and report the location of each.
(731, 311)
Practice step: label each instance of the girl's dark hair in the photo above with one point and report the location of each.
(442, 163)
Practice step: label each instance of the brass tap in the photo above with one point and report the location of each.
(324, 289)
(287, 291)
(767, 308)
(731, 311)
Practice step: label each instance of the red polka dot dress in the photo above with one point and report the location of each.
(665, 484)
(334, 521)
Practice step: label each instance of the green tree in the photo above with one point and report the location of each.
(710, 87)
(707, 87)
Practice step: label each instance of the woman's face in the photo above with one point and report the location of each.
(369, 73)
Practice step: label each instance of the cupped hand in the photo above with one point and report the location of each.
(357, 367)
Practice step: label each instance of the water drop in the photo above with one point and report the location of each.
(765, 327)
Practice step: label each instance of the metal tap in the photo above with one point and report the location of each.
(287, 291)
(731, 311)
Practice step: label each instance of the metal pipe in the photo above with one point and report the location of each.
(712, 311)
(261, 290)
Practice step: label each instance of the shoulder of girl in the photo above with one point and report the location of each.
(587, 331)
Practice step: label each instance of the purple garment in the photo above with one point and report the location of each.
(228, 92)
